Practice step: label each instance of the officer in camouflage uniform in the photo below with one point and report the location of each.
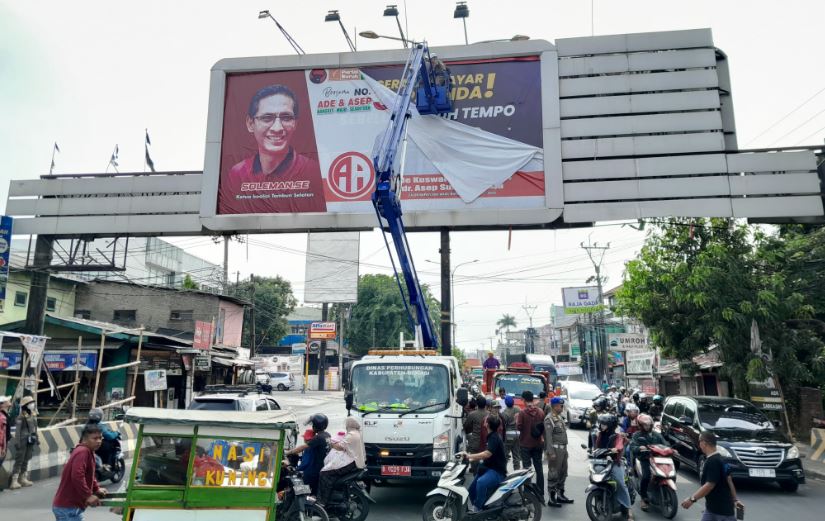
(555, 445)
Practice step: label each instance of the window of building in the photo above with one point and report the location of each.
(83, 313)
(181, 314)
(51, 304)
(124, 315)
(20, 299)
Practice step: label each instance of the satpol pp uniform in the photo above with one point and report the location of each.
(555, 445)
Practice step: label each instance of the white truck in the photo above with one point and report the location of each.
(410, 406)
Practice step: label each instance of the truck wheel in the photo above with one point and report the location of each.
(440, 508)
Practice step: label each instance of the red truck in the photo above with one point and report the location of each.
(515, 379)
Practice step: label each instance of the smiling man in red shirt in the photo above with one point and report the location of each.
(78, 487)
(278, 179)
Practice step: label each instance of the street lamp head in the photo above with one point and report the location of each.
(372, 35)
(391, 10)
(332, 16)
(461, 10)
(263, 14)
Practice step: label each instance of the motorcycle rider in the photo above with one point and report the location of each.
(608, 438)
(599, 407)
(494, 469)
(642, 438)
(313, 451)
(104, 453)
(629, 423)
(657, 407)
(555, 446)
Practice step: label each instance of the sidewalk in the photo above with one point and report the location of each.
(813, 469)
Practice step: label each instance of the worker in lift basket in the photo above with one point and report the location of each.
(491, 362)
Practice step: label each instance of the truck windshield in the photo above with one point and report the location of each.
(400, 387)
(515, 384)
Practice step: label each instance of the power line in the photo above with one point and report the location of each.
(783, 118)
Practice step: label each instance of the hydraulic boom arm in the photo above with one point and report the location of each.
(431, 99)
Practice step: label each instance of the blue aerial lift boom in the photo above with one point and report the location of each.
(432, 89)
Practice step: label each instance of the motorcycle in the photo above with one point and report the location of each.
(109, 462)
(294, 501)
(515, 499)
(349, 500)
(661, 491)
(601, 501)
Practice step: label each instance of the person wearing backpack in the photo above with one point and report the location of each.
(530, 423)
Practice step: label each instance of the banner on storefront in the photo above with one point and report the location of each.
(5, 253)
(640, 361)
(625, 341)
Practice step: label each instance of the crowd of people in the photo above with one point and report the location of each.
(499, 433)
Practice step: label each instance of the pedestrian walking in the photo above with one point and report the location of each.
(720, 496)
(555, 446)
(5, 427)
(78, 487)
(25, 439)
(530, 424)
(511, 446)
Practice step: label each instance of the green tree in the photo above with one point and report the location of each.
(273, 301)
(506, 322)
(379, 315)
(459, 355)
(701, 283)
(188, 283)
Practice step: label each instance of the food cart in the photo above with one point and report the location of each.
(196, 465)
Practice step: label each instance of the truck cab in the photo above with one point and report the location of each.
(410, 406)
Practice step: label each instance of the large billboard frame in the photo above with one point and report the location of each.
(477, 219)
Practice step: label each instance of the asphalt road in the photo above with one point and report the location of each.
(399, 502)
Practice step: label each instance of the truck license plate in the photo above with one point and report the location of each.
(762, 473)
(396, 470)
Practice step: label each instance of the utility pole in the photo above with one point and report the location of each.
(529, 340)
(253, 347)
(225, 264)
(322, 354)
(596, 254)
(446, 294)
(38, 292)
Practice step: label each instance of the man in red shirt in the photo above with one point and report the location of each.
(277, 179)
(78, 487)
(530, 423)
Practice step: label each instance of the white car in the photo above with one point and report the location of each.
(280, 380)
(233, 398)
(580, 397)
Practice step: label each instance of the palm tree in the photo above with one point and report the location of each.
(506, 322)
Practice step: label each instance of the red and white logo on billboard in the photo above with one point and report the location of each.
(351, 176)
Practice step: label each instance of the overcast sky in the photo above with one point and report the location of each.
(92, 74)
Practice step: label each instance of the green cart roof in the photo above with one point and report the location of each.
(237, 419)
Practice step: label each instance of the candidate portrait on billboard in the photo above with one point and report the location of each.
(269, 160)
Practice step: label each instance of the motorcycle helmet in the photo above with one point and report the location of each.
(645, 422)
(600, 403)
(622, 389)
(609, 421)
(635, 397)
(643, 397)
(631, 407)
(658, 399)
(319, 422)
(95, 415)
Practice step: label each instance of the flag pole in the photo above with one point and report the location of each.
(54, 149)
(145, 147)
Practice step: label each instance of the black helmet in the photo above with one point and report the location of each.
(319, 422)
(635, 397)
(608, 420)
(95, 415)
(600, 403)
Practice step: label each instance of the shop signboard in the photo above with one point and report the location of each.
(765, 395)
(5, 253)
(625, 341)
(155, 380)
(568, 368)
(581, 299)
(299, 349)
(69, 361)
(640, 361)
(575, 351)
(203, 363)
(322, 331)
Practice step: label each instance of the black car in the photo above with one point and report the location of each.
(751, 445)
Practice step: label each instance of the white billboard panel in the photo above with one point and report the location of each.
(581, 299)
(332, 268)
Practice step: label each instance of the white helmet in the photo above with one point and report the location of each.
(631, 407)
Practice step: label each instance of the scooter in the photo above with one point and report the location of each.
(601, 501)
(349, 500)
(515, 499)
(113, 467)
(294, 501)
(661, 491)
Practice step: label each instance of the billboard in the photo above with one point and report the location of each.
(292, 144)
(322, 331)
(332, 267)
(640, 361)
(203, 335)
(581, 299)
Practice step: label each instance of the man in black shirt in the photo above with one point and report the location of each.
(494, 469)
(717, 487)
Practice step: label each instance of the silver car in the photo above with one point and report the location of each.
(580, 397)
(281, 380)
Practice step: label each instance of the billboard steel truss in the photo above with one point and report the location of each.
(622, 126)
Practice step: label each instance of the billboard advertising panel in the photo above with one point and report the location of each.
(291, 143)
(582, 299)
